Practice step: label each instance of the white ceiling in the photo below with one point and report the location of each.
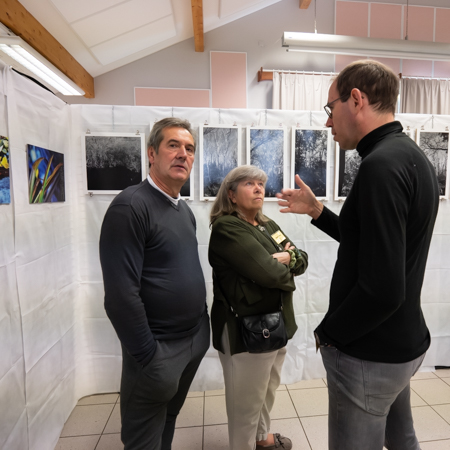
(105, 34)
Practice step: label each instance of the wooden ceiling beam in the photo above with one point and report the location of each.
(197, 19)
(304, 4)
(23, 24)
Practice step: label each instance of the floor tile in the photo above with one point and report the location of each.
(282, 387)
(283, 407)
(77, 443)
(310, 402)
(86, 420)
(443, 411)
(215, 410)
(424, 376)
(195, 394)
(188, 439)
(100, 399)
(213, 393)
(191, 414)
(110, 442)
(429, 425)
(114, 423)
(316, 429)
(307, 384)
(434, 392)
(291, 428)
(215, 437)
(442, 373)
(416, 400)
(435, 445)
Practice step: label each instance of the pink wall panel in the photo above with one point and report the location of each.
(442, 25)
(416, 68)
(441, 69)
(385, 21)
(352, 18)
(420, 23)
(194, 98)
(229, 80)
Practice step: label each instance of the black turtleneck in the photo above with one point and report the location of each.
(384, 230)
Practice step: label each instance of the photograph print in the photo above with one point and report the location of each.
(347, 166)
(310, 158)
(5, 186)
(114, 161)
(220, 152)
(45, 175)
(435, 145)
(266, 149)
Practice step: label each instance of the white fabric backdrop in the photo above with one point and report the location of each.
(300, 91)
(425, 95)
(57, 344)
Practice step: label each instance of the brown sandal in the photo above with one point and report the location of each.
(281, 442)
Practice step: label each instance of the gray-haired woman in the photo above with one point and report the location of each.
(254, 265)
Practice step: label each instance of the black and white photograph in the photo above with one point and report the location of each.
(114, 161)
(266, 149)
(220, 152)
(187, 191)
(435, 146)
(347, 166)
(310, 158)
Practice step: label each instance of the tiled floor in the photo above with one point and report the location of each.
(300, 412)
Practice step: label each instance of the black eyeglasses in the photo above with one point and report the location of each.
(327, 106)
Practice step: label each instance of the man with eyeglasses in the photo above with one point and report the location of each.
(373, 337)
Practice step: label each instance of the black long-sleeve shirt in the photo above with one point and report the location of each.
(154, 284)
(384, 229)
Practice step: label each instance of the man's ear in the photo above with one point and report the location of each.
(357, 98)
(151, 154)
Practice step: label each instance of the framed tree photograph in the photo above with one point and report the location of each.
(266, 149)
(435, 145)
(187, 191)
(220, 152)
(5, 184)
(347, 166)
(113, 161)
(309, 158)
(45, 175)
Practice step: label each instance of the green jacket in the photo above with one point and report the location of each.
(252, 280)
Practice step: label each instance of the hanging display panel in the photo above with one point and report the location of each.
(435, 146)
(5, 184)
(266, 149)
(309, 158)
(45, 175)
(113, 161)
(220, 152)
(347, 166)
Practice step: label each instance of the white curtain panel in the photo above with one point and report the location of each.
(308, 92)
(424, 96)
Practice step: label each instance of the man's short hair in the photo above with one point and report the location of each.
(377, 81)
(157, 135)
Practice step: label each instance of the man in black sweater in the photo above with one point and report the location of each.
(373, 337)
(155, 292)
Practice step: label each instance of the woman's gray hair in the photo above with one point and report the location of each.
(223, 206)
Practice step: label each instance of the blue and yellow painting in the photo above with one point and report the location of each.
(45, 175)
(5, 187)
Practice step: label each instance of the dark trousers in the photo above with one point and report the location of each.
(151, 397)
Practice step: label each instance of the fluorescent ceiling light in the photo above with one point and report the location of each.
(363, 46)
(17, 49)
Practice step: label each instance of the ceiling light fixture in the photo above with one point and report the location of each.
(363, 46)
(17, 49)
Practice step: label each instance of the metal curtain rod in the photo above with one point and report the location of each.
(300, 71)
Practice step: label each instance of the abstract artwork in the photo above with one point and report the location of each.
(5, 186)
(114, 161)
(45, 175)
(310, 158)
(266, 149)
(435, 145)
(220, 152)
(347, 166)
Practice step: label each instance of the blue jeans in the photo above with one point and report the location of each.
(369, 403)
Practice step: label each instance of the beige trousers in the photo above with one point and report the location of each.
(251, 380)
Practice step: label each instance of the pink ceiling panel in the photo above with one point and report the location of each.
(442, 25)
(420, 23)
(193, 98)
(228, 80)
(441, 69)
(417, 68)
(385, 21)
(352, 18)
